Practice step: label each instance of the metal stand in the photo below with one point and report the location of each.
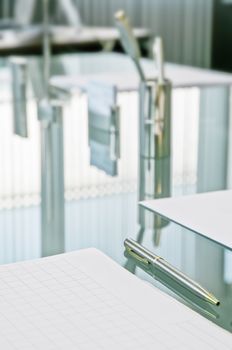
(154, 148)
(52, 163)
(154, 155)
(19, 85)
(154, 127)
(52, 177)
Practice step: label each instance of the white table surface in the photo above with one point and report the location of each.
(126, 78)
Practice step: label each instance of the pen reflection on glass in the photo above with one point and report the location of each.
(155, 262)
(185, 295)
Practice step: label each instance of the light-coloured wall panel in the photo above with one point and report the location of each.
(95, 12)
(185, 25)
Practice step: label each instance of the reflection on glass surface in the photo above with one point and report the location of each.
(101, 211)
(154, 150)
(187, 251)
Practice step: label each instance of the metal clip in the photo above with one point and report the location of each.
(136, 256)
(158, 126)
(115, 134)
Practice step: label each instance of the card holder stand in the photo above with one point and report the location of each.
(19, 71)
(154, 146)
(50, 115)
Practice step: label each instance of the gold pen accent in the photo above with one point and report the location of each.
(144, 255)
(213, 299)
(136, 256)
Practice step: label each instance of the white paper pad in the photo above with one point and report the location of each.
(83, 300)
(181, 76)
(208, 214)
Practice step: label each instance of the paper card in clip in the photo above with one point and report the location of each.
(103, 124)
(19, 85)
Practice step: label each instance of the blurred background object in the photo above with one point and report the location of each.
(21, 29)
(103, 127)
(98, 203)
(222, 35)
(25, 12)
(195, 32)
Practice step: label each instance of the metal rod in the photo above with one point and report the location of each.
(19, 70)
(52, 179)
(154, 147)
(46, 46)
(52, 164)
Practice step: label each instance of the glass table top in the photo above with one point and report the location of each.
(100, 210)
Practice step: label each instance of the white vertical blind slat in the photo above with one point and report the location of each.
(185, 25)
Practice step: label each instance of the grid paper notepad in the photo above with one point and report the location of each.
(84, 300)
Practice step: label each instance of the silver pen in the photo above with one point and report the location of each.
(145, 256)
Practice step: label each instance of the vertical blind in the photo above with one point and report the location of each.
(185, 25)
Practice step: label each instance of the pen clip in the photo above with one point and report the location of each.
(136, 256)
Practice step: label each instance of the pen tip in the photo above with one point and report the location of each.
(214, 300)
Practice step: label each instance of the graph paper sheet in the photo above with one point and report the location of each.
(83, 300)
